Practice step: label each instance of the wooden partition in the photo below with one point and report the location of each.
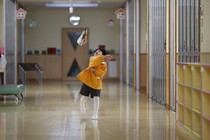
(193, 98)
(52, 66)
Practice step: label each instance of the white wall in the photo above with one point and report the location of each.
(1, 23)
(205, 28)
(47, 32)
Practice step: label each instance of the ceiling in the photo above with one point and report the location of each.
(102, 3)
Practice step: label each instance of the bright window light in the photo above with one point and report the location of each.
(71, 5)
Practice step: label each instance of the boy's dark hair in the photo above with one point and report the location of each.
(102, 50)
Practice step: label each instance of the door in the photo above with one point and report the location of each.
(157, 57)
(74, 57)
(10, 41)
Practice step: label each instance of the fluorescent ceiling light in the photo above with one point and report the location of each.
(70, 1)
(71, 5)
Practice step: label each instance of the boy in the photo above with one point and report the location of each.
(91, 79)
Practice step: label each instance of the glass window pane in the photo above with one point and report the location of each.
(197, 49)
(192, 30)
(188, 27)
(180, 48)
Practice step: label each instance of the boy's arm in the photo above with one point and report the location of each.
(97, 60)
(100, 72)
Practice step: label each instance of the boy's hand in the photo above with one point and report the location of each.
(108, 57)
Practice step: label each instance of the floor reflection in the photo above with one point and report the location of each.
(51, 111)
(92, 132)
(96, 130)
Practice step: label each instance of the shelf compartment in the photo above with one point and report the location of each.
(205, 104)
(180, 71)
(196, 123)
(187, 75)
(196, 77)
(188, 118)
(205, 78)
(188, 97)
(180, 94)
(205, 129)
(196, 100)
(180, 113)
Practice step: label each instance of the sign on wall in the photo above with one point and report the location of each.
(21, 13)
(120, 13)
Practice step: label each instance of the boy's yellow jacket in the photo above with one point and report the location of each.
(94, 79)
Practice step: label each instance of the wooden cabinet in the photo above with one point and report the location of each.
(113, 68)
(193, 98)
(52, 66)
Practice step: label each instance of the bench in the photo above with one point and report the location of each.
(16, 90)
(24, 68)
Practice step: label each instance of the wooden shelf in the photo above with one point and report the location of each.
(193, 99)
(187, 97)
(205, 78)
(196, 125)
(50, 64)
(180, 70)
(196, 97)
(188, 118)
(205, 129)
(196, 77)
(206, 104)
(187, 75)
(180, 95)
(181, 113)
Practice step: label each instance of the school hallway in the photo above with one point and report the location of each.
(51, 111)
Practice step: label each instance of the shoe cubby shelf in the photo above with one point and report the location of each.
(193, 98)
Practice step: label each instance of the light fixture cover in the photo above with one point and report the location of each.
(71, 5)
(71, 10)
(74, 20)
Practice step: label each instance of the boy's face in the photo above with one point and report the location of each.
(98, 52)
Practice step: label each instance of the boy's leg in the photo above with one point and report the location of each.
(83, 99)
(96, 107)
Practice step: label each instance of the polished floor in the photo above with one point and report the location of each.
(50, 111)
